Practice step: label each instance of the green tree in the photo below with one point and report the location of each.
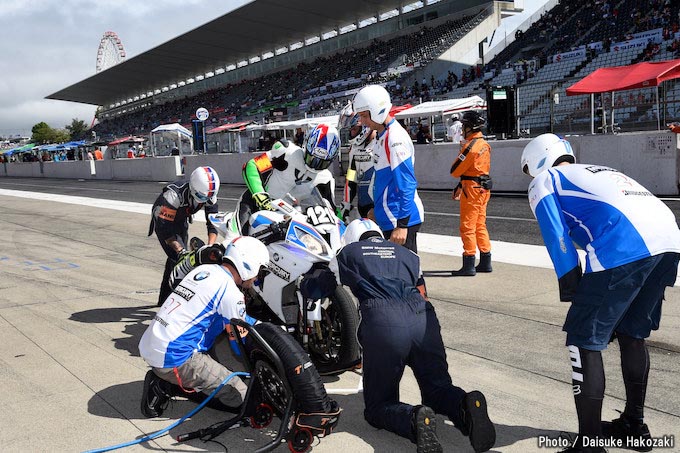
(61, 136)
(77, 129)
(42, 133)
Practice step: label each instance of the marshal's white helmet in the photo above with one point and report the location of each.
(350, 121)
(247, 254)
(204, 185)
(376, 100)
(357, 229)
(545, 151)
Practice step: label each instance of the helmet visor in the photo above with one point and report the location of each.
(316, 163)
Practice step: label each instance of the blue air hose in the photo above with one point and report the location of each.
(177, 423)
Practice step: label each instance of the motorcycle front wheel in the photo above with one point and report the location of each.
(333, 345)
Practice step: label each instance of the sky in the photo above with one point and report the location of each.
(47, 45)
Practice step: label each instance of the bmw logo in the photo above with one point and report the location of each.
(275, 256)
(201, 276)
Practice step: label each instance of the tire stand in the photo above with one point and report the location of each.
(263, 412)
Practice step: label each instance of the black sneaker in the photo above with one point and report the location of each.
(425, 425)
(154, 397)
(476, 422)
(635, 436)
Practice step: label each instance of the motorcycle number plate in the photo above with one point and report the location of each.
(319, 215)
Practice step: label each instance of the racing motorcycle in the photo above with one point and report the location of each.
(300, 291)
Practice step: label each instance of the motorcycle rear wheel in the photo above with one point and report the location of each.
(333, 344)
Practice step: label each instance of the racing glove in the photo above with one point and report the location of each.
(569, 284)
(209, 254)
(263, 201)
(343, 210)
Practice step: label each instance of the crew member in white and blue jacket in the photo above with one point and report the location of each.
(632, 246)
(398, 210)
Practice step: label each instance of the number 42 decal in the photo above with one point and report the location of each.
(318, 215)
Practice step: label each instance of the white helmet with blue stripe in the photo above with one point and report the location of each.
(357, 229)
(248, 255)
(545, 151)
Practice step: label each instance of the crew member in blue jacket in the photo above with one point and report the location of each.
(632, 245)
(398, 209)
(399, 327)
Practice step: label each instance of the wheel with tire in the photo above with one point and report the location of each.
(300, 440)
(333, 343)
(303, 378)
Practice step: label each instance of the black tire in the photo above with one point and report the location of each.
(308, 390)
(338, 350)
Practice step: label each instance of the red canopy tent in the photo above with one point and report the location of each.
(621, 78)
(237, 127)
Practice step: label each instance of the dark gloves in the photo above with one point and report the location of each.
(209, 254)
(569, 284)
(318, 283)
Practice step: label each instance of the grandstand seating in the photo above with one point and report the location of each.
(321, 85)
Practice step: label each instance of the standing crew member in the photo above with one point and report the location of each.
(398, 328)
(360, 166)
(172, 212)
(632, 245)
(455, 132)
(472, 166)
(398, 209)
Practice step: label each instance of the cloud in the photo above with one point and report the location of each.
(46, 46)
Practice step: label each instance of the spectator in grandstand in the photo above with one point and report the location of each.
(299, 136)
(399, 327)
(632, 244)
(398, 208)
(473, 166)
(360, 165)
(171, 214)
(289, 169)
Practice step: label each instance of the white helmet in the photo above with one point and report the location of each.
(357, 229)
(376, 100)
(322, 147)
(247, 254)
(545, 151)
(350, 121)
(204, 185)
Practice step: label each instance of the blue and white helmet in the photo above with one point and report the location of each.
(248, 255)
(350, 121)
(357, 229)
(204, 185)
(322, 147)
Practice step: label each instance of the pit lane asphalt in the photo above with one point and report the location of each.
(78, 285)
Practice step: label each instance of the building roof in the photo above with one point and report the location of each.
(255, 28)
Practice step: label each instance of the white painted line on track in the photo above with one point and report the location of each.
(503, 252)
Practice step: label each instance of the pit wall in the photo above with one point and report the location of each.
(649, 157)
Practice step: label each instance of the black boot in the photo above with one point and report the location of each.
(468, 269)
(484, 262)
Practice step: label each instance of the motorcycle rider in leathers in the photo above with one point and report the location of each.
(288, 169)
(360, 166)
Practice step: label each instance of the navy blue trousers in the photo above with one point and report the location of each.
(394, 334)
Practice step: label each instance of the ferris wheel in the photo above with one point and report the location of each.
(110, 51)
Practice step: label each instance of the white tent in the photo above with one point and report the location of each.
(174, 134)
(431, 108)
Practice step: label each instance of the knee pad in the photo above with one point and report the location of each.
(587, 372)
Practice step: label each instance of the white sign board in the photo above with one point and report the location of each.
(202, 114)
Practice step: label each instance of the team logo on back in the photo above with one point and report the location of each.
(201, 276)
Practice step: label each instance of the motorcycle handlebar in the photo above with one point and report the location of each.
(275, 230)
